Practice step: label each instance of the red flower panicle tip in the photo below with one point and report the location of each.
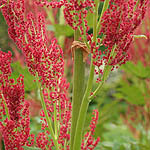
(117, 27)
(75, 12)
(88, 141)
(15, 130)
(14, 96)
(5, 68)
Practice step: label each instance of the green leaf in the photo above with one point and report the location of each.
(60, 29)
(138, 69)
(28, 78)
(89, 19)
(108, 144)
(63, 30)
(118, 95)
(30, 148)
(50, 27)
(132, 93)
(107, 108)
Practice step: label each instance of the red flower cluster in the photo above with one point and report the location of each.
(140, 49)
(14, 96)
(63, 106)
(88, 141)
(30, 36)
(16, 134)
(5, 72)
(117, 27)
(75, 11)
(44, 61)
(15, 130)
(5, 69)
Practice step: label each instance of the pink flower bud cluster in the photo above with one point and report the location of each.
(117, 27)
(2, 106)
(63, 107)
(88, 142)
(5, 72)
(75, 11)
(43, 60)
(16, 134)
(140, 49)
(15, 129)
(14, 96)
(5, 69)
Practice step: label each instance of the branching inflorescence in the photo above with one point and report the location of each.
(15, 128)
(113, 30)
(117, 29)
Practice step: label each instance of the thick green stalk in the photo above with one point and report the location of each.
(78, 87)
(83, 111)
(85, 101)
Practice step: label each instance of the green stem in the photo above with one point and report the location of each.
(137, 3)
(55, 121)
(6, 108)
(78, 87)
(50, 15)
(97, 90)
(105, 6)
(83, 111)
(2, 5)
(47, 117)
(85, 101)
(107, 71)
(61, 22)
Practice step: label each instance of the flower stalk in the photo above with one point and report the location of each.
(78, 87)
(50, 128)
(6, 108)
(115, 28)
(85, 101)
(105, 6)
(55, 121)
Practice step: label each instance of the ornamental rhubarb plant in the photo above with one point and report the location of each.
(63, 117)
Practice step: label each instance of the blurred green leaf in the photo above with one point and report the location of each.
(28, 78)
(118, 95)
(116, 137)
(107, 109)
(60, 29)
(89, 19)
(50, 28)
(138, 69)
(131, 93)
